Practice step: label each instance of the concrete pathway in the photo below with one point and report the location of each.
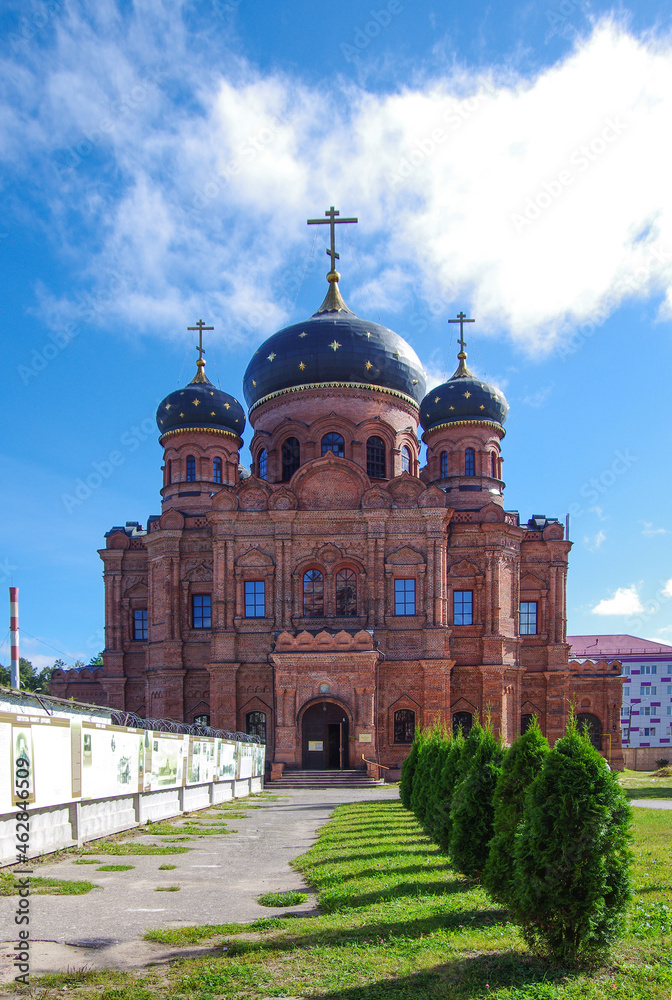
(220, 878)
(652, 803)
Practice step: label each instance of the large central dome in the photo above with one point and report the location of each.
(334, 348)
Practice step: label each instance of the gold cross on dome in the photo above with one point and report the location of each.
(200, 326)
(332, 222)
(461, 319)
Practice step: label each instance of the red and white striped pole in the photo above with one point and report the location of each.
(14, 637)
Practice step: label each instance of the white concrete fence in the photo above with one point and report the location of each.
(69, 776)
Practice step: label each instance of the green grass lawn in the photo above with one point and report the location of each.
(643, 785)
(397, 923)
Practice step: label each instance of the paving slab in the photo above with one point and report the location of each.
(652, 803)
(220, 878)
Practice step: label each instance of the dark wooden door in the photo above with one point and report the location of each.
(324, 737)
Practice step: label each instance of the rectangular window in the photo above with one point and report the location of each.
(647, 710)
(669, 688)
(669, 709)
(626, 669)
(201, 610)
(255, 599)
(140, 624)
(626, 691)
(463, 607)
(528, 617)
(404, 597)
(653, 689)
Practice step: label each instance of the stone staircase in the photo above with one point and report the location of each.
(332, 779)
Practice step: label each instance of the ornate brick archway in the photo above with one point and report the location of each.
(324, 725)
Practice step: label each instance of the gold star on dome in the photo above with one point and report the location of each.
(415, 381)
(254, 383)
(227, 406)
(481, 407)
(182, 414)
(436, 399)
(368, 334)
(452, 407)
(181, 394)
(212, 394)
(334, 345)
(196, 402)
(467, 395)
(161, 422)
(212, 413)
(304, 334)
(168, 405)
(301, 365)
(397, 355)
(368, 365)
(272, 355)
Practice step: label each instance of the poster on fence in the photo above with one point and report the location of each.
(259, 760)
(52, 761)
(226, 769)
(168, 753)
(110, 760)
(247, 760)
(201, 760)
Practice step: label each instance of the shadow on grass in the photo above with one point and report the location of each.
(649, 793)
(465, 978)
(424, 852)
(384, 929)
(414, 890)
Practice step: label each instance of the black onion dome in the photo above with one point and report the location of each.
(200, 406)
(463, 397)
(334, 347)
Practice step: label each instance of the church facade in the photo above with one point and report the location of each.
(341, 594)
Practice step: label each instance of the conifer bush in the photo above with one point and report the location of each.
(434, 792)
(522, 763)
(572, 863)
(472, 808)
(408, 769)
(422, 778)
(448, 779)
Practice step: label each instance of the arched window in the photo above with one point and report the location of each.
(313, 594)
(493, 465)
(444, 464)
(333, 442)
(346, 592)
(169, 472)
(191, 469)
(263, 463)
(202, 720)
(464, 719)
(216, 470)
(404, 725)
(470, 462)
(255, 725)
(405, 459)
(594, 726)
(375, 458)
(291, 458)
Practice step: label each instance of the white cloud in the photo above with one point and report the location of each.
(624, 602)
(539, 397)
(593, 542)
(667, 589)
(651, 532)
(201, 200)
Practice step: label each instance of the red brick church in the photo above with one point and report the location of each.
(341, 594)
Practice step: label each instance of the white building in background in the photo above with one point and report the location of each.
(646, 712)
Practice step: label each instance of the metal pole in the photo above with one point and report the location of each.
(14, 634)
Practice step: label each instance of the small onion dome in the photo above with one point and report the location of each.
(334, 348)
(200, 406)
(463, 398)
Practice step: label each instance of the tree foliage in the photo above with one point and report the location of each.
(572, 861)
(408, 769)
(472, 807)
(434, 792)
(427, 752)
(448, 779)
(29, 678)
(522, 763)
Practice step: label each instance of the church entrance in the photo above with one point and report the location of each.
(324, 733)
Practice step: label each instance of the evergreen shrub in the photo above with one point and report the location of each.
(408, 769)
(422, 778)
(434, 798)
(572, 862)
(472, 808)
(448, 779)
(522, 763)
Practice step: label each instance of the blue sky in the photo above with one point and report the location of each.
(158, 164)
